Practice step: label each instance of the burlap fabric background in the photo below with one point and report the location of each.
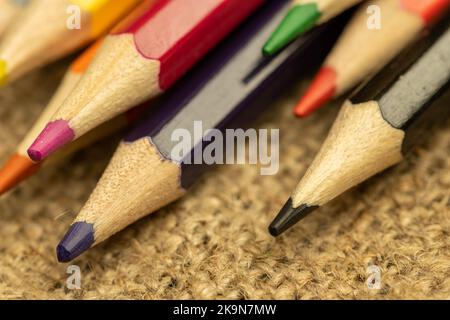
(213, 243)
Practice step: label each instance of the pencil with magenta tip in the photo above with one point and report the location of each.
(377, 126)
(228, 89)
(362, 51)
(20, 167)
(304, 15)
(140, 62)
(42, 33)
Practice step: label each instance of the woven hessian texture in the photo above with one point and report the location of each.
(214, 243)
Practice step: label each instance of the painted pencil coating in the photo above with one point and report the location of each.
(236, 80)
(104, 13)
(361, 51)
(230, 91)
(424, 78)
(46, 30)
(143, 59)
(377, 125)
(187, 31)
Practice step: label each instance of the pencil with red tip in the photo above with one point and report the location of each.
(377, 126)
(363, 50)
(140, 62)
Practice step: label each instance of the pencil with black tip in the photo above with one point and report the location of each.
(19, 167)
(304, 15)
(140, 62)
(9, 9)
(377, 126)
(362, 51)
(227, 90)
(43, 32)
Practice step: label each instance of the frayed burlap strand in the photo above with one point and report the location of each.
(213, 244)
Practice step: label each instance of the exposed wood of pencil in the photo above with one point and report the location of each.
(129, 189)
(360, 144)
(361, 51)
(101, 132)
(70, 80)
(20, 167)
(125, 77)
(68, 83)
(137, 181)
(40, 35)
(329, 8)
(8, 10)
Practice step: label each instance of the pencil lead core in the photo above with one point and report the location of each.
(55, 135)
(288, 217)
(77, 240)
(17, 169)
(299, 19)
(321, 91)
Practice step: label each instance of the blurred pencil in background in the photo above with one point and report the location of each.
(362, 51)
(9, 9)
(42, 32)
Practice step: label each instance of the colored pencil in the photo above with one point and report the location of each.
(304, 15)
(41, 33)
(361, 51)
(143, 166)
(141, 62)
(377, 126)
(9, 9)
(19, 167)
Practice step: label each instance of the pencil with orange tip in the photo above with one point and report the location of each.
(44, 32)
(140, 62)
(362, 51)
(19, 167)
(304, 15)
(9, 9)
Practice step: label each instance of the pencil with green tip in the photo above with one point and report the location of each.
(303, 16)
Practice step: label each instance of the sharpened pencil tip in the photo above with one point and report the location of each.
(3, 73)
(288, 217)
(299, 19)
(77, 240)
(17, 169)
(320, 92)
(55, 135)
